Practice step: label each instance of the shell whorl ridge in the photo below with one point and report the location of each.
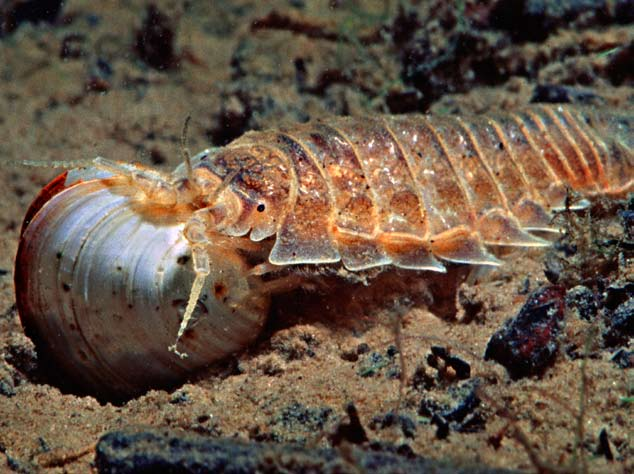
(103, 272)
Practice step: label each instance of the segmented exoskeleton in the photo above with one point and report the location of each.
(404, 191)
(407, 190)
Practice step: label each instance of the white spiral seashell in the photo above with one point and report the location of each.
(102, 280)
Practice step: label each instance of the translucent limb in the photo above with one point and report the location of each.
(50, 164)
(201, 267)
(154, 184)
(264, 268)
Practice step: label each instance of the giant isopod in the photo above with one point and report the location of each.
(116, 260)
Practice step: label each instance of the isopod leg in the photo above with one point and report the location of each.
(264, 268)
(282, 284)
(201, 267)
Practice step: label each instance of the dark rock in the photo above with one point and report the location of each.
(442, 426)
(72, 46)
(427, 408)
(527, 344)
(407, 425)
(391, 351)
(472, 304)
(620, 324)
(603, 448)
(7, 387)
(461, 368)
(535, 20)
(464, 417)
(180, 397)
(627, 221)
(619, 69)
(404, 25)
(553, 267)
(22, 356)
(299, 417)
(363, 348)
(421, 380)
(581, 300)
(371, 364)
(624, 11)
(155, 40)
(556, 94)
(464, 408)
(623, 359)
(352, 431)
(617, 293)
(405, 101)
(233, 119)
(126, 452)
(13, 13)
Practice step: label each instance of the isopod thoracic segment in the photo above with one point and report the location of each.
(109, 255)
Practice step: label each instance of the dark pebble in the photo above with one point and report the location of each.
(620, 324)
(179, 398)
(527, 343)
(616, 294)
(623, 359)
(535, 20)
(461, 368)
(603, 448)
(391, 351)
(126, 452)
(402, 102)
(619, 69)
(349, 356)
(72, 46)
(553, 267)
(351, 431)
(581, 300)
(296, 416)
(372, 364)
(232, 120)
(363, 348)
(427, 408)
(442, 426)
(464, 417)
(14, 13)
(7, 388)
(627, 216)
(155, 40)
(404, 422)
(464, 408)
(421, 380)
(556, 93)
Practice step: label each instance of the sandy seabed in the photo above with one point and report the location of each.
(76, 87)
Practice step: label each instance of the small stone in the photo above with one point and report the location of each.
(528, 343)
(623, 359)
(581, 301)
(6, 387)
(621, 324)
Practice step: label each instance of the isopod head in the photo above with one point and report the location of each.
(103, 277)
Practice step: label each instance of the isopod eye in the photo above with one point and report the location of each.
(261, 207)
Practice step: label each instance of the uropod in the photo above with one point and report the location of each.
(118, 262)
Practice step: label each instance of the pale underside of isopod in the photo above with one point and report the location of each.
(109, 256)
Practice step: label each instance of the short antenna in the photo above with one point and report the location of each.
(185, 149)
